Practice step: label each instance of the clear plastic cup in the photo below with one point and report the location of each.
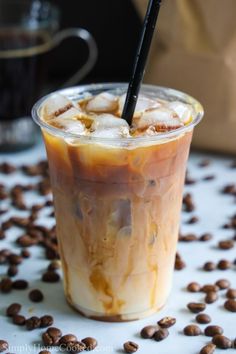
(117, 206)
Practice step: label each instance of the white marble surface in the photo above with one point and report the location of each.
(213, 209)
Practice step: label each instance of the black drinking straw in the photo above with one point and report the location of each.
(141, 59)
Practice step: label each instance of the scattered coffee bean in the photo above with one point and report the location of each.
(192, 330)
(32, 323)
(15, 259)
(179, 264)
(20, 284)
(68, 338)
(166, 322)
(203, 318)
(50, 277)
(6, 285)
(209, 266)
(36, 295)
(209, 177)
(211, 297)
(223, 264)
(148, 332)
(3, 345)
(90, 343)
(229, 189)
(25, 253)
(188, 238)
(13, 309)
(51, 336)
(193, 220)
(74, 347)
(54, 265)
(226, 245)
(221, 342)
(196, 307)
(12, 270)
(205, 237)
(44, 352)
(223, 284)
(211, 331)
(46, 321)
(19, 320)
(230, 305)
(130, 347)
(188, 203)
(209, 287)
(194, 287)
(161, 334)
(231, 294)
(204, 163)
(208, 349)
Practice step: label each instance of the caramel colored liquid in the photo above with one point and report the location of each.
(117, 212)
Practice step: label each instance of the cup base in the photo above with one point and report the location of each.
(97, 316)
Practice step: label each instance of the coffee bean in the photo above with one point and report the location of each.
(46, 321)
(211, 297)
(223, 284)
(12, 270)
(192, 330)
(36, 295)
(32, 323)
(196, 307)
(211, 331)
(209, 177)
(223, 264)
(230, 305)
(166, 322)
(68, 338)
(6, 285)
(44, 352)
(179, 264)
(161, 334)
(148, 332)
(208, 349)
(15, 259)
(204, 163)
(51, 336)
(13, 309)
(221, 342)
(130, 347)
(26, 241)
(226, 245)
(54, 265)
(20, 284)
(205, 237)
(193, 287)
(209, 266)
(50, 277)
(90, 343)
(25, 253)
(209, 287)
(229, 189)
(3, 345)
(188, 238)
(231, 294)
(203, 318)
(18, 320)
(193, 220)
(74, 347)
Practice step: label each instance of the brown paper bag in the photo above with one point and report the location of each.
(194, 50)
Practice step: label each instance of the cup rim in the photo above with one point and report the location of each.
(72, 92)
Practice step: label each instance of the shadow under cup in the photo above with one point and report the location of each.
(117, 205)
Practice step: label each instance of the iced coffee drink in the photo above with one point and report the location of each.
(117, 193)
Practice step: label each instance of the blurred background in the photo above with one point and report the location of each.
(115, 25)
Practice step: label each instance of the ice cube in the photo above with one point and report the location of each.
(55, 105)
(118, 132)
(108, 121)
(162, 119)
(69, 125)
(104, 102)
(184, 111)
(70, 114)
(144, 103)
